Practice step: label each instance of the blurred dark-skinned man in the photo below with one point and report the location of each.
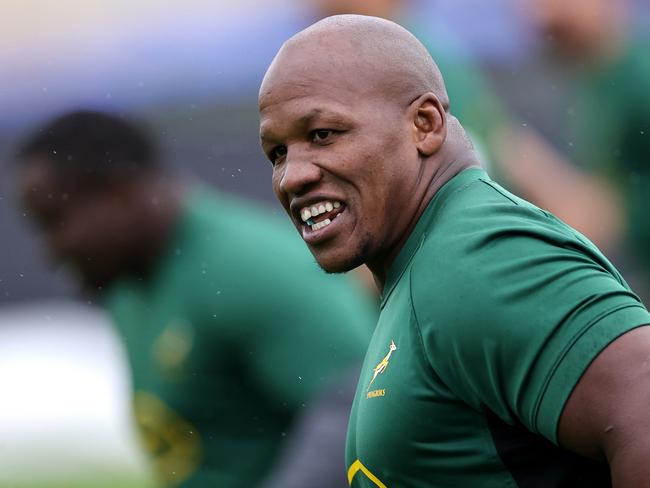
(241, 351)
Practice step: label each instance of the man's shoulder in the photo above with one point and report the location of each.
(484, 240)
(483, 199)
(483, 212)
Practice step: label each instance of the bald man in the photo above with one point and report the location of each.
(509, 351)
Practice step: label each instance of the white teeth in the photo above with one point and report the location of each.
(307, 213)
(320, 225)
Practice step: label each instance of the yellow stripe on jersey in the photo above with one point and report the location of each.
(357, 466)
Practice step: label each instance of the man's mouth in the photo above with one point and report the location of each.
(320, 214)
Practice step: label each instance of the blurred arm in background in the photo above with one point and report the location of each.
(586, 91)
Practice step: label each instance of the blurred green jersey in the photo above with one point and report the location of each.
(229, 338)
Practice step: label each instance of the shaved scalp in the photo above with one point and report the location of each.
(385, 57)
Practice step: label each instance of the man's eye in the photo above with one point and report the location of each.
(277, 153)
(320, 135)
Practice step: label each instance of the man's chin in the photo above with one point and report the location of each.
(340, 264)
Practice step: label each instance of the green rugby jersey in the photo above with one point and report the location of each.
(229, 338)
(491, 312)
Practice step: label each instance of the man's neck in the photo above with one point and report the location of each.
(456, 156)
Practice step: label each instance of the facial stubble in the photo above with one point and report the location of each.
(360, 257)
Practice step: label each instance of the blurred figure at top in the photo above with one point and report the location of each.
(233, 334)
(585, 31)
(587, 92)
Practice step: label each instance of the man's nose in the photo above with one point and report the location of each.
(299, 172)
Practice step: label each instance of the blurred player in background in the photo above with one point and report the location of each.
(590, 79)
(509, 351)
(234, 337)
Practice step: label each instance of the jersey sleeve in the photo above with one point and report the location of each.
(513, 310)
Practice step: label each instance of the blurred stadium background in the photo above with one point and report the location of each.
(191, 71)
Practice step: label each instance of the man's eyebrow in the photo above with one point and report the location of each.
(309, 117)
(301, 122)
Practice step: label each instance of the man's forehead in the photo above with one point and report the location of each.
(307, 64)
(309, 92)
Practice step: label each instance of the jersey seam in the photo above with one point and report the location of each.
(457, 190)
(407, 265)
(410, 277)
(406, 269)
(563, 354)
(419, 331)
(486, 435)
(498, 190)
(563, 228)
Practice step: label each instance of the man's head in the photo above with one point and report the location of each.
(353, 114)
(79, 179)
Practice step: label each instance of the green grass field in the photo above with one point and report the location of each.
(32, 463)
(110, 482)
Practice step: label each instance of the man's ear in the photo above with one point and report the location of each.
(429, 124)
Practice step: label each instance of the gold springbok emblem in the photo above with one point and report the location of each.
(383, 364)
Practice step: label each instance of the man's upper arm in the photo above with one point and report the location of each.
(608, 413)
